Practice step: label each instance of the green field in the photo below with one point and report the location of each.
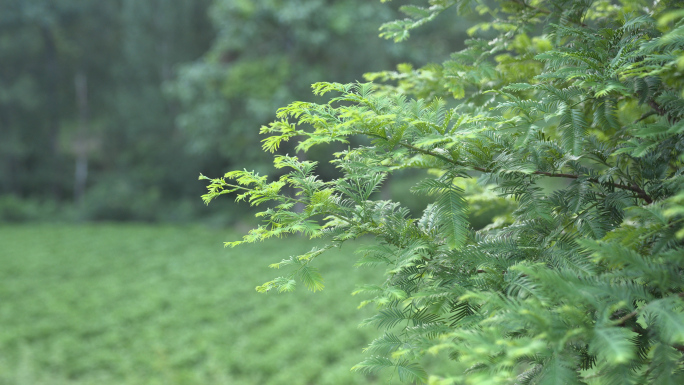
(136, 304)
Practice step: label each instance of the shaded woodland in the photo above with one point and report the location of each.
(110, 110)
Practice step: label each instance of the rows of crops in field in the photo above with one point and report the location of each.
(134, 304)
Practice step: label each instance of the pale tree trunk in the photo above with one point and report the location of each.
(52, 106)
(81, 145)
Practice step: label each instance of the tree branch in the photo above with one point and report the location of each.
(644, 116)
(621, 321)
(634, 188)
(672, 118)
(641, 193)
(657, 108)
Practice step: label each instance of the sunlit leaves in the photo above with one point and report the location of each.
(582, 279)
(612, 344)
(450, 208)
(669, 315)
(311, 278)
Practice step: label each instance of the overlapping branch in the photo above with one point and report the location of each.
(640, 192)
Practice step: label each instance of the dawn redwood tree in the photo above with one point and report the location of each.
(572, 108)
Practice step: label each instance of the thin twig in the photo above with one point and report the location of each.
(627, 317)
(622, 320)
(644, 116)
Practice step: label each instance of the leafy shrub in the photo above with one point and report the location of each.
(16, 210)
(583, 283)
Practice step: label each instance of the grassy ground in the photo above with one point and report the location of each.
(134, 304)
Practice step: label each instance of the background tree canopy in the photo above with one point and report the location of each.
(82, 111)
(573, 110)
(107, 110)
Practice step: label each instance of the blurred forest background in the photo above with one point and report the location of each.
(110, 110)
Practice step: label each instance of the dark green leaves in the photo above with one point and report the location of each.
(407, 371)
(450, 209)
(558, 371)
(311, 278)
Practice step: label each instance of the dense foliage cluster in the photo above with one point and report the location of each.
(573, 109)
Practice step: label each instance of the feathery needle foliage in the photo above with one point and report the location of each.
(574, 110)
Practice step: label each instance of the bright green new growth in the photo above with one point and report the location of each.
(584, 285)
